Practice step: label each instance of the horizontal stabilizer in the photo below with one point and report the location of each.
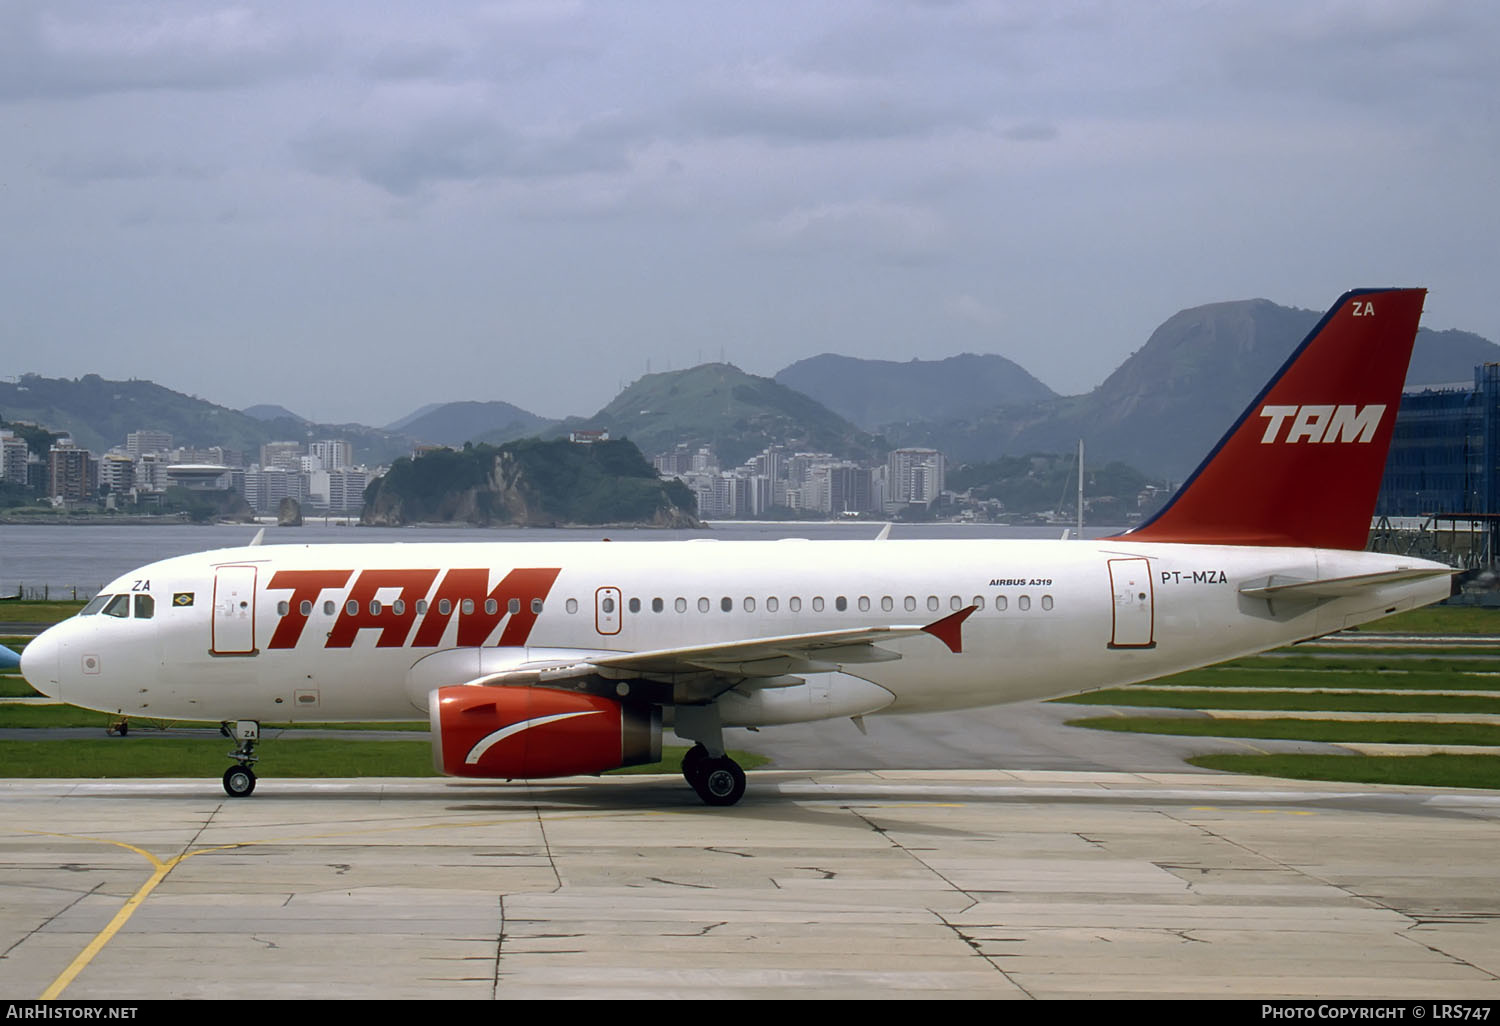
(1336, 587)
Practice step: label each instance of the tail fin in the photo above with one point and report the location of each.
(1303, 463)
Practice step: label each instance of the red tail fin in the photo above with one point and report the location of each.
(1302, 465)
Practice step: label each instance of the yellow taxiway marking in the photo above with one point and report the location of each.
(126, 911)
(162, 868)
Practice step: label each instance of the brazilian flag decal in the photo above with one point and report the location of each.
(182, 598)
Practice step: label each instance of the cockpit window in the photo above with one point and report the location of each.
(145, 607)
(95, 605)
(119, 605)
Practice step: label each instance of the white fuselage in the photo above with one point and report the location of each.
(228, 639)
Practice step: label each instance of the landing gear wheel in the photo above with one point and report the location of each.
(720, 781)
(239, 781)
(692, 764)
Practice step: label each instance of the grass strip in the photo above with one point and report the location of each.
(12, 686)
(118, 758)
(1290, 680)
(1331, 731)
(1440, 620)
(1425, 662)
(1422, 770)
(27, 611)
(1289, 701)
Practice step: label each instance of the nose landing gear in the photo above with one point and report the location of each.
(239, 780)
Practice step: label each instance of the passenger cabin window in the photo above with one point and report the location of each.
(1023, 603)
(536, 605)
(571, 605)
(119, 605)
(306, 607)
(771, 604)
(726, 603)
(657, 605)
(794, 604)
(328, 607)
(283, 607)
(514, 606)
(680, 605)
(1047, 602)
(145, 607)
(817, 603)
(911, 603)
(635, 605)
(841, 603)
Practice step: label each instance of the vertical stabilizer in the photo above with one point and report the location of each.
(1302, 465)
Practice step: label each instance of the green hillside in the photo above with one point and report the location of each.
(737, 414)
(529, 482)
(99, 413)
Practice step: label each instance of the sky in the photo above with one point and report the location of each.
(356, 209)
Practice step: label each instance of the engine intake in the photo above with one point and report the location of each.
(534, 732)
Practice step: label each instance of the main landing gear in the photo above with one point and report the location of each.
(239, 780)
(718, 781)
(716, 777)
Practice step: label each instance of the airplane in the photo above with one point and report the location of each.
(537, 660)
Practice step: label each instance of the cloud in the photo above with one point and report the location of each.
(71, 51)
(783, 104)
(405, 156)
(890, 230)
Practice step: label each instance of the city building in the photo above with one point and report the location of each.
(1445, 453)
(72, 473)
(914, 476)
(13, 457)
(139, 443)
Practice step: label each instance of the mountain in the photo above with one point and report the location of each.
(1443, 357)
(1172, 399)
(99, 413)
(872, 393)
(719, 405)
(270, 411)
(456, 423)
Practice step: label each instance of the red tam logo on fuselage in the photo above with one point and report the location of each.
(463, 592)
(1322, 423)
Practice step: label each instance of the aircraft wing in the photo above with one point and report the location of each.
(769, 658)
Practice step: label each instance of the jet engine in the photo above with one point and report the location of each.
(533, 732)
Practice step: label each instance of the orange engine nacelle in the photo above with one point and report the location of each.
(521, 732)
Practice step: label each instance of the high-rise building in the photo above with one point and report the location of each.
(139, 443)
(13, 453)
(333, 453)
(72, 473)
(915, 475)
(286, 455)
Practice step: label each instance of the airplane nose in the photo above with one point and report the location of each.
(41, 663)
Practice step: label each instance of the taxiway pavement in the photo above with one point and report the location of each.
(883, 883)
